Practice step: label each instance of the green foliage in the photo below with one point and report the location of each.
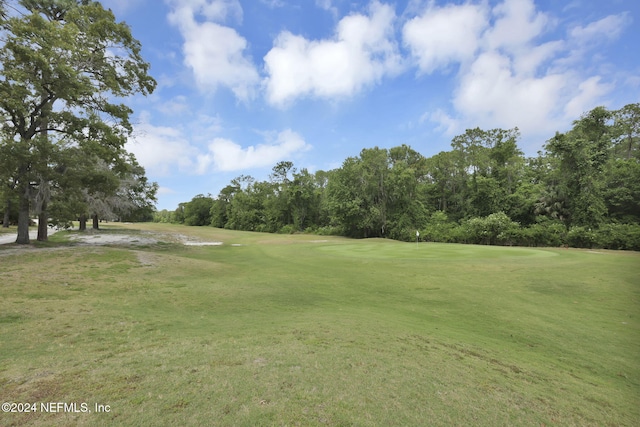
(545, 232)
(582, 154)
(287, 229)
(520, 205)
(328, 230)
(438, 228)
(581, 237)
(445, 183)
(619, 236)
(8, 206)
(164, 216)
(626, 132)
(222, 204)
(247, 209)
(483, 191)
(608, 236)
(358, 194)
(198, 210)
(622, 190)
(380, 193)
(494, 229)
(65, 66)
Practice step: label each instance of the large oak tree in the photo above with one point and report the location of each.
(66, 65)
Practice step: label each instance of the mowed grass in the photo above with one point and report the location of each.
(8, 230)
(319, 331)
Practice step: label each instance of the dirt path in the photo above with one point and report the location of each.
(33, 234)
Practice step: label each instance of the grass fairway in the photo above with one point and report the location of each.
(319, 331)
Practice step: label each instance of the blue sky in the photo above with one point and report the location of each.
(243, 85)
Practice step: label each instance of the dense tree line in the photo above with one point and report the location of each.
(582, 190)
(65, 65)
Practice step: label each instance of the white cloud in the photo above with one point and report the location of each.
(517, 23)
(164, 150)
(219, 64)
(324, 4)
(507, 77)
(328, 6)
(444, 35)
(226, 155)
(165, 190)
(361, 53)
(206, 125)
(215, 53)
(161, 149)
(272, 4)
(446, 124)
(212, 10)
(529, 61)
(174, 106)
(492, 95)
(607, 28)
(589, 91)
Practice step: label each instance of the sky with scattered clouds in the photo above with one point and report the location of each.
(243, 85)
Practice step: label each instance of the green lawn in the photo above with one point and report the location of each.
(8, 230)
(319, 331)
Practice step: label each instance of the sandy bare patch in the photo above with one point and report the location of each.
(188, 241)
(191, 243)
(112, 239)
(318, 241)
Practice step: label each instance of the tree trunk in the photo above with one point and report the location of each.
(95, 221)
(23, 219)
(43, 224)
(7, 212)
(43, 220)
(83, 222)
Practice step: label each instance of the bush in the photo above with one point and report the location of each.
(163, 216)
(261, 228)
(287, 229)
(328, 230)
(198, 211)
(516, 235)
(581, 237)
(495, 229)
(618, 236)
(545, 233)
(404, 235)
(439, 229)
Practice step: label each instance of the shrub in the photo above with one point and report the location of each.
(287, 229)
(546, 233)
(581, 237)
(618, 236)
(439, 228)
(163, 216)
(329, 231)
(404, 235)
(495, 229)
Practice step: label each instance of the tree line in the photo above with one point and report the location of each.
(66, 66)
(582, 190)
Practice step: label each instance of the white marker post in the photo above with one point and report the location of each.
(417, 236)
